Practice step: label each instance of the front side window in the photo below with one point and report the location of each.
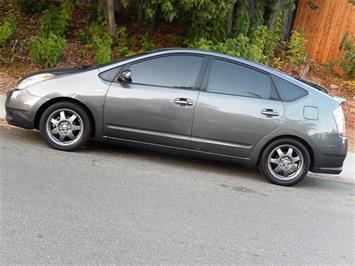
(230, 78)
(179, 71)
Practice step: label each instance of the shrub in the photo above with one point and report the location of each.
(52, 22)
(147, 44)
(6, 29)
(241, 46)
(56, 21)
(47, 50)
(66, 9)
(296, 53)
(122, 41)
(347, 61)
(32, 6)
(100, 41)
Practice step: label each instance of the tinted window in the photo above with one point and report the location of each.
(287, 90)
(231, 78)
(170, 71)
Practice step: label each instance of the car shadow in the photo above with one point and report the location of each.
(230, 169)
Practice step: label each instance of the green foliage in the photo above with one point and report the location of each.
(47, 50)
(258, 47)
(242, 20)
(6, 29)
(56, 21)
(240, 46)
(32, 6)
(296, 53)
(48, 46)
(146, 43)
(207, 18)
(100, 16)
(265, 40)
(347, 61)
(52, 22)
(66, 9)
(100, 41)
(258, 16)
(122, 41)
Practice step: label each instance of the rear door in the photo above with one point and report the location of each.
(238, 107)
(157, 106)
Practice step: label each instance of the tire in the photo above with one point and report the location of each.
(285, 162)
(65, 126)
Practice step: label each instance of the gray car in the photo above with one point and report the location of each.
(191, 102)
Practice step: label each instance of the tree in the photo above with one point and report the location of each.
(111, 21)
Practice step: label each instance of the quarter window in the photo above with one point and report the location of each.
(231, 78)
(178, 71)
(287, 90)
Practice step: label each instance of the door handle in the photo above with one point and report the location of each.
(269, 112)
(183, 102)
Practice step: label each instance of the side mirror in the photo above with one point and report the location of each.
(125, 76)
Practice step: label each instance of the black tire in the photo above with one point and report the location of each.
(82, 121)
(271, 162)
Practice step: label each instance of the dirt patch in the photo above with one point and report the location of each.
(6, 82)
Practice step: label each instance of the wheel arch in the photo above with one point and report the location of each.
(50, 102)
(301, 140)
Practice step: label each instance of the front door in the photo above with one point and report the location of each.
(157, 106)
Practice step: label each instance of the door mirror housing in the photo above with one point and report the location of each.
(125, 76)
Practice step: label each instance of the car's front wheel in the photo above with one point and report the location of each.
(65, 126)
(285, 162)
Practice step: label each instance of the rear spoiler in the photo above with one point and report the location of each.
(339, 99)
(314, 85)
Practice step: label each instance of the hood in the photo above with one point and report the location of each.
(60, 71)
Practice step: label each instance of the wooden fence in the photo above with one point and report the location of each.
(324, 23)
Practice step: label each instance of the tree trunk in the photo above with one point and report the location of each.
(111, 21)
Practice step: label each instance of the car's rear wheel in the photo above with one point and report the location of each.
(65, 126)
(285, 162)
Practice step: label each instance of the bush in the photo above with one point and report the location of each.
(122, 41)
(32, 6)
(100, 41)
(264, 41)
(296, 53)
(257, 48)
(47, 50)
(147, 44)
(56, 21)
(52, 22)
(6, 29)
(347, 61)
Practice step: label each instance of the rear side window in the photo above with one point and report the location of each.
(287, 90)
(230, 78)
(178, 71)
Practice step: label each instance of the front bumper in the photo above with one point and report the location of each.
(21, 108)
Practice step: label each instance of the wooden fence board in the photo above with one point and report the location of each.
(324, 26)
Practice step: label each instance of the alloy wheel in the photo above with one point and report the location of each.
(285, 162)
(64, 127)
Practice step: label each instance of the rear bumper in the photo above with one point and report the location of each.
(329, 158)
(21, 108)
(328, 170)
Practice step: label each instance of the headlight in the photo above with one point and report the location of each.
(339, 120)
(33, 80)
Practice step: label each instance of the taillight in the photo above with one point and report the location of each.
(339, 120)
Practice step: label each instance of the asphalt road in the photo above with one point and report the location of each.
(107, 204)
